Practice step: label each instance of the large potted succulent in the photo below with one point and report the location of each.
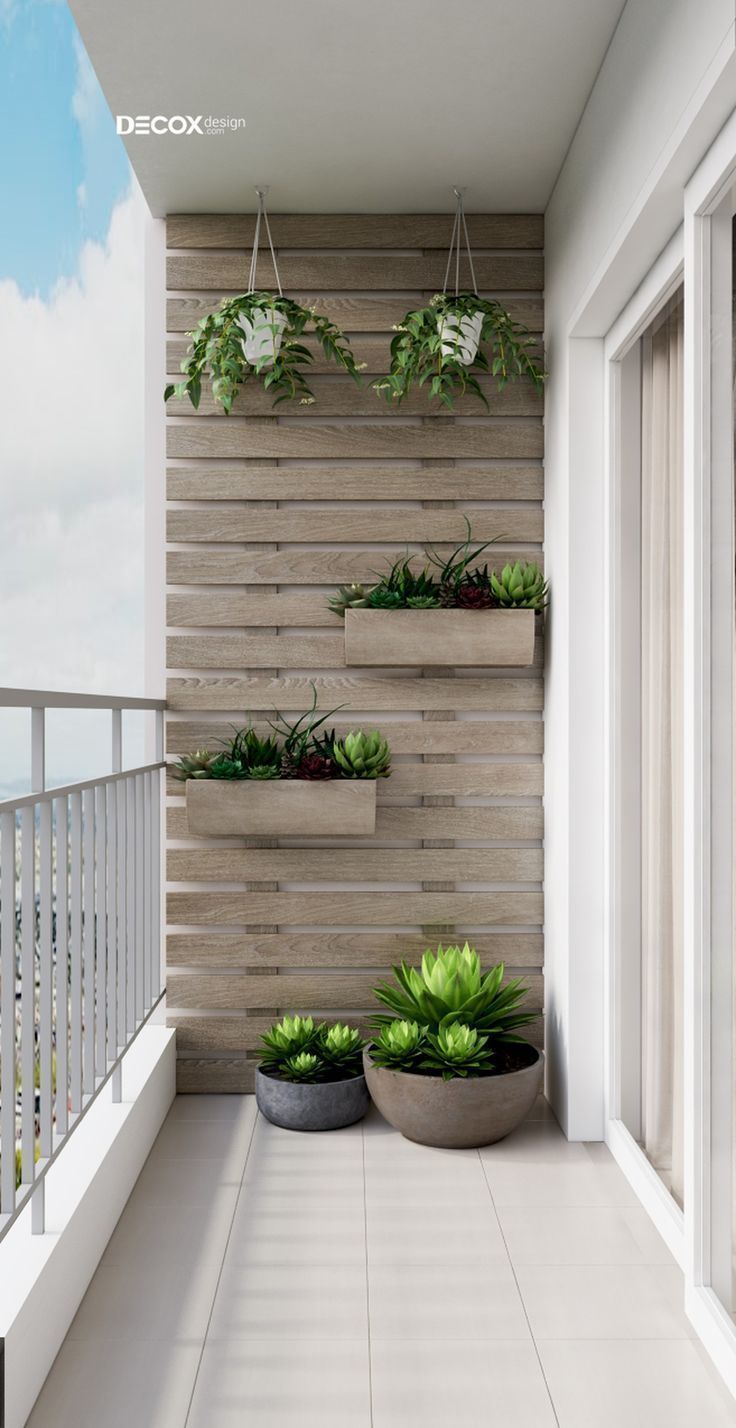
(295, 780)
(450, 612)
(257, 337)
(446, 1066)
(310, 1077)
(458, 337)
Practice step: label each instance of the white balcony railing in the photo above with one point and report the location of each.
(80, 954)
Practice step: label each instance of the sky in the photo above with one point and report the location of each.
(71, 391)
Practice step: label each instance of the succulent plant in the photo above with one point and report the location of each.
(299, 736)
(315, 766)
(450, 986)
(399, 1045)
(342, 1047)
(286, 1038)
(348, 597)
(227, 766)
(422, 602)
(361, 755)
(520, 586)
(196, 765)
(457, 1050)
(472, 594)
(457, 581)
(305, 1066)
(384, 598)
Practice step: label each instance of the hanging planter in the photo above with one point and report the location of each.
(444, 345)
(295, 781)
(464, 616)
(257, 336)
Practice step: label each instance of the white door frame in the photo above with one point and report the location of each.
(622, 1082)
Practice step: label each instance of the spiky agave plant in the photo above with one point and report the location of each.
(361, 755)
(458, 584)
(450, 986)
(287, 1038)
(299, 735)
(196, 765)
(399, 1045)
(521, 586)
(401, 586)
(306, 1066)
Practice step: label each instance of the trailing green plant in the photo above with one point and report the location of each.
(450, 986)
(399, 1045)
(520, 586)
(296, 749)
(217, 350)
(457, 1050)
(297, 1049)
(505, 351)
(361, 755)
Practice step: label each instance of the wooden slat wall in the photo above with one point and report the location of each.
(267, 513)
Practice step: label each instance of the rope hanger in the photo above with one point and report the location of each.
(459, 228)
(262, 215)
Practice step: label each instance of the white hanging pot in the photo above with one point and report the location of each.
(460, 336)
(264, 331)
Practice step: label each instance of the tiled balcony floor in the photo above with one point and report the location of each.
(353, 1279)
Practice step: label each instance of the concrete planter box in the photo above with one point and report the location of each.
(281, 806)
(458, 1114)
(327, 1105)
(460, 638)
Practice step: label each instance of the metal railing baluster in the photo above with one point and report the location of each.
(8, 984)
(88, 924)
(76, 928)
(28, 992)
(101, 931)
(61, 965)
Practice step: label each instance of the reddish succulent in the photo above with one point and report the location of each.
(469, 596)
(315, 766)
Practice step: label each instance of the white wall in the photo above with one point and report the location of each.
(666, 87)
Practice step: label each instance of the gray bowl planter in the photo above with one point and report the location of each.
(324, 1106)
(468, 1111)
(467, 638)
(281, 806)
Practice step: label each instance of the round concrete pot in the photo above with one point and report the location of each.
(326, 1105)
(468, 1111)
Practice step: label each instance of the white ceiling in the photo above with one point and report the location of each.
(377, 106)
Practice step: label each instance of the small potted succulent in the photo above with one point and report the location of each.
(430, 616)
(292, 781)
(310, 1077)
(446, 1066)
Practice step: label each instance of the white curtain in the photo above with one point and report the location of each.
(661, 745)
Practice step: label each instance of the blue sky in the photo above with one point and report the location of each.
(72, 224)
(63, 166)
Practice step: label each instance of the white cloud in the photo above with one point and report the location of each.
(71, 470)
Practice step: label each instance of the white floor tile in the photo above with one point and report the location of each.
(516, 1183)
(441, 1234)
(225, 1141)
(604, 1301)
(404, 1182)
(639, 1384)
(213, 1108)
(168, 1182)
(120, 1384)
(273, 1302)
(288, 1383)
(458, 1301)
(159, 1300)
(430, 1384)
(300, 1235)
(584, 1235)
(536, 1142)
(185, 1233)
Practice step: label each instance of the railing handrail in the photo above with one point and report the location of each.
(47, 795)
(62, 699)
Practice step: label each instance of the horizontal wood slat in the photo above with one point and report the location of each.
(498, 824)
(520, 439)
(269, 652)
(501, 780)
(354, 230)
(352, 314)
(411, 736)
(336, 396)
(225, 608)
(338, 949)
(228, 272)
(230, 865)
(324, 992)
(204, 909)
(483, 695)
(506, 523)
(234, 1076)
(217, 482)
(211, 1037)
(302, 567)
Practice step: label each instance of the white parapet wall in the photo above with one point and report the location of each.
(43, 1278)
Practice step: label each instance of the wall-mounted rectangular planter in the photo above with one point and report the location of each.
(281, 806)
(464, 638)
